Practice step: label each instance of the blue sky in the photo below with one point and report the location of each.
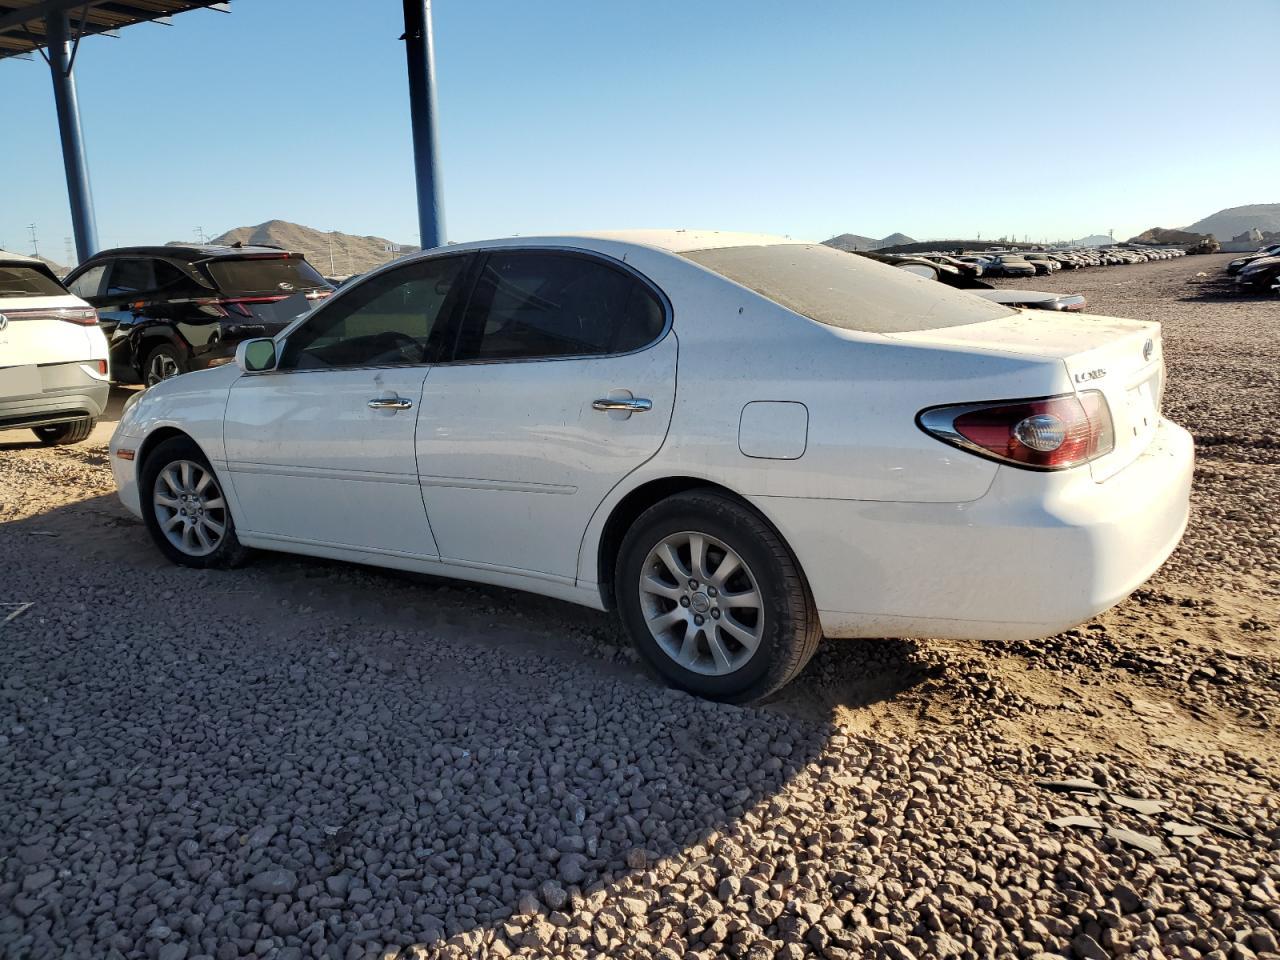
(806, 118)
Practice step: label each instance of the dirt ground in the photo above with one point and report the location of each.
(311, 759)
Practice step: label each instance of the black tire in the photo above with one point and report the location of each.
(164, 357)
(229, 552)
(790, 630)
(58, 434)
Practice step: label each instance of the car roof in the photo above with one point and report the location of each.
(670, 241)
(188, 251)
(19, 258)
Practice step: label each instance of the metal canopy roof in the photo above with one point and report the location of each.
(24, 27)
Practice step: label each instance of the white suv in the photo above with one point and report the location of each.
(53, 356)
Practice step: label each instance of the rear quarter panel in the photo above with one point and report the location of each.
(862, 393)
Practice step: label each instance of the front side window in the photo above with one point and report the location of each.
(394, 318)
(537, 305)
(131, 276)
(88, 283)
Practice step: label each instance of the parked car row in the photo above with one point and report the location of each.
(1032, 263)
(958, 273)
(1257, 272)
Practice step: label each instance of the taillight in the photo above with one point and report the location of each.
(1049, 434)
(81, 316)
(228, 305)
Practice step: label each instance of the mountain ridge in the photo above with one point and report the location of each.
(1232, 221)
(332, 252)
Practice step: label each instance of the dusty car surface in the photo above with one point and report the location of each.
(741, 443)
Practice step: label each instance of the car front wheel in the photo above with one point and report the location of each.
(713, 599)
(184, 507)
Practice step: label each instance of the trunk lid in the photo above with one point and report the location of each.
(1123, 359)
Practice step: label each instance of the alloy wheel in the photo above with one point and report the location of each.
(189, 507)
(701, 603)
(162, 367)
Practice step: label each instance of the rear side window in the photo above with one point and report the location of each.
(20, 281)
(845, 290)
(536, 305)
(131, 276)
(168, 275)
(395, 318)
(267, 276)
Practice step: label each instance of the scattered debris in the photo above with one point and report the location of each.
(1146, 807)
(1140, 840)
(1177, 828)
(16, 610)
(1089, 823)
(1221, 828)
(1069, 786)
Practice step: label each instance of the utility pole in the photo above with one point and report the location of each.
(200, 235)
(332, 271)
(34, 244)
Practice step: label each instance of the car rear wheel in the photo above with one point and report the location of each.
(713, 599)
(184, 507)
(57, 434)
(162, 363)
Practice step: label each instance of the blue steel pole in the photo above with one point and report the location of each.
(73, 156)
(420, 54)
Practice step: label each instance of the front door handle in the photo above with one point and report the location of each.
(630, 405)
(390, 403)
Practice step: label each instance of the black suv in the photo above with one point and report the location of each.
(167, 310)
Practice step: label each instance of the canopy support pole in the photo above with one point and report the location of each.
(420, 54)
(62, 55)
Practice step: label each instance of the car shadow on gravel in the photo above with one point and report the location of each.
(305, 752)
(1220, 288)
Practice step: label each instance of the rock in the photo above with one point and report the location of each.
(552, 894)
(37, 880)
(1087, 948)
(572, 868)
(274, 882)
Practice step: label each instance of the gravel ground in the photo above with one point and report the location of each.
(305, 759)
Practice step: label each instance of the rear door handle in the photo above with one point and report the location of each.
(390, 403)
(630, 405)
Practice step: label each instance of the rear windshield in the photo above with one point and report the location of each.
(271, 275)
(19, 281)
(845, 290)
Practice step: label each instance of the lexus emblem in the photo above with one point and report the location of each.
(285, 285)
(4, 322)
(1148, 348)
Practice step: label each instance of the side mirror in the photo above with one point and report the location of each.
(255, 356)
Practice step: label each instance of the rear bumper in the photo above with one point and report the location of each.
(1037, 554)
(69, 391)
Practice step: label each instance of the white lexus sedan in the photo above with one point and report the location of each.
(740, 443)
